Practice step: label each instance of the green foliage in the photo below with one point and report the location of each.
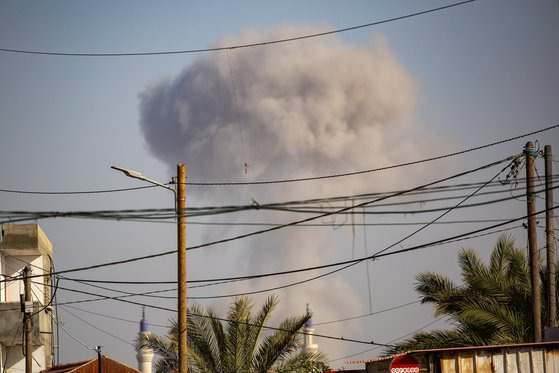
(236, 345)
(492, 306)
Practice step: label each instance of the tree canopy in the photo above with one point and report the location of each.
(491, 306)
(238, 343)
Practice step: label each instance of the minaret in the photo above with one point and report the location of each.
(308, 346)
(144, 355)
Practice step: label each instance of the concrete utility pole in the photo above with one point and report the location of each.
(550, 239)
(531, 154)
(181, 242)
(28, 320)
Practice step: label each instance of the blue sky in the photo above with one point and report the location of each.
(482, 72)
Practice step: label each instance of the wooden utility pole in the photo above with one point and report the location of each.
(181, 242)
(531, 153)
(550, 239)
(28, 320)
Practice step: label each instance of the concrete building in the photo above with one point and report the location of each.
(24, 245)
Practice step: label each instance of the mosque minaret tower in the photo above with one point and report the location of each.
(144, 355)
(308, 329)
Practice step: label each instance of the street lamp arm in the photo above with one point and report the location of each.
(180, 208)
(139, 176)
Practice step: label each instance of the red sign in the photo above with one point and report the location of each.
(404, 364)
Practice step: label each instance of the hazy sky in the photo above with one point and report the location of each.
(372, 97)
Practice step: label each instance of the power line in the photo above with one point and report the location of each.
(294, 283)
(353, 261)
(374, 169)
(456, 187)
(394, 340)
(439, 242)
(147, 215)
(114, 317)
(328, 225)
(271, 229)
(116, 215)
(148, 294)
(365, 315)
(129, 293)
(376, 254)
(315, 324)
(70, 334)
(232, 279)
(293, 179)
(242, 322)
(97, 328)
(102, 191)
(455, 238)
(231, 47)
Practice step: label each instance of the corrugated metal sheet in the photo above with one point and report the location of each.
(509, 360)
(522, 358)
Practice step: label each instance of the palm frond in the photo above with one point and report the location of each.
(492, 306)
(280, 344)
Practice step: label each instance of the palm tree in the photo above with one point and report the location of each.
(235, 344)
(493, 306)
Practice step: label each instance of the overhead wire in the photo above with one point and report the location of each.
(150, 215)
(365, 315)
(126, 292)
(232, 47)
(434, 189)
(304, 178)
(310, 268)
(413, 248)
(114, 317)
(97, 328)
(310, 178)
(280, 287)
(359, 261)
(229, 320)
(372, 257)
(100, 191)
(158, 215)
(305, 220)
(314, 323)
(394, 340)
(234, 279)
(60, 325)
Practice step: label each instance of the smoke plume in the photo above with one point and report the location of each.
(307, 108)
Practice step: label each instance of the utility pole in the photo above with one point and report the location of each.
(99, 359)
(550, 239)
(28, 320)
(531, 154)
(180, 209)
(181, 243)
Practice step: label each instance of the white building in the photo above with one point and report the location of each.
(24, 245)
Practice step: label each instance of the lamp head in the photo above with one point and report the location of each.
(130, 173)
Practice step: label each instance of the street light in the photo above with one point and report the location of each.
(180, 208)
(137, 175)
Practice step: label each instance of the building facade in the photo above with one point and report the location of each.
(25, 245)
